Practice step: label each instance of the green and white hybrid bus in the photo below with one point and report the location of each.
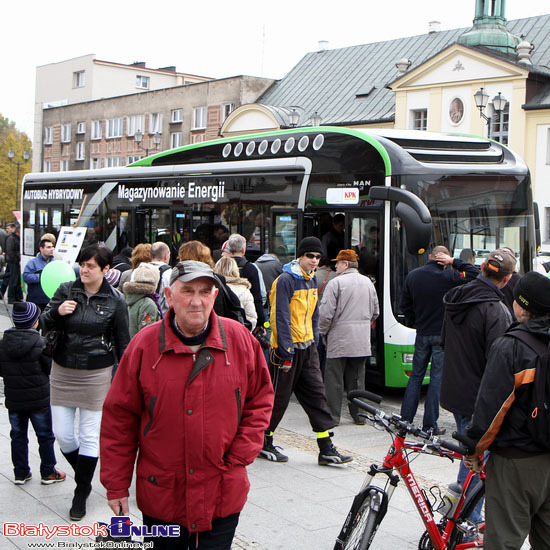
(400, 192)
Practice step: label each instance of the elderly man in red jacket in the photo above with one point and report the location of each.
(191, 398)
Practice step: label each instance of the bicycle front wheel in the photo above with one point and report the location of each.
(365, 520)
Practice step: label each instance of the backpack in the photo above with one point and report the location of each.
(162, 269)
(232, 306)
(538, 423)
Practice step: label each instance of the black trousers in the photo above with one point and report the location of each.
(306, 381)
(219, 538)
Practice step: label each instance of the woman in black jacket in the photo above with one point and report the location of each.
(92, 320)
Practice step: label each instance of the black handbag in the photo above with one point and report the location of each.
(53, 338)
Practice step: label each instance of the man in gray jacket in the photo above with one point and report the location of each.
(348, 308)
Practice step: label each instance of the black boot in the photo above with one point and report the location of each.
(71, 458)
(84, 473)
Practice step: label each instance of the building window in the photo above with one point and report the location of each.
(65, 133)
(79, 79)
(176, 140)
(95, 163)
(134, 123)
(227, 109)
(199, 118)
(48, 135)
(80, 150)
(80, 127)
(500, 125)
(47, 166)
(177, 115)
(113, 162)
(420, 119)
(142, 82)
(64, 166)
(96, 129)
(113, 128)
(155, 123)
(133, 158)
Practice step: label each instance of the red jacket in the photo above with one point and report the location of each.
(195, 421)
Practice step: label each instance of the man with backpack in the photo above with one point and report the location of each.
(512, 420)
(160, 256)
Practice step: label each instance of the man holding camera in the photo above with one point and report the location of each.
(294, 363)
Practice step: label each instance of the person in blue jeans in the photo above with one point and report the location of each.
(422, 305)
(25, 370)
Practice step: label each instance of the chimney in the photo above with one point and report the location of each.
(140, 64)
(323, 45)
(524, 50)
(434, 26)
(169, 69)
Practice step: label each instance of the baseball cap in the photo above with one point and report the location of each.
(189, 270)
(500, 261)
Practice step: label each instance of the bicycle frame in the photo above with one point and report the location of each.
(371, 503)
(397, 460)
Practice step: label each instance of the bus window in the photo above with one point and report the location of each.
(285, 229)
(365, 241)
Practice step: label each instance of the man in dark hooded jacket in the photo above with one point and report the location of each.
(475, 316)
(517, 486)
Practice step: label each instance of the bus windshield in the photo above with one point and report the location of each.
(478, 212)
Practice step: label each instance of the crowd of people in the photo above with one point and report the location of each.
(186, 371)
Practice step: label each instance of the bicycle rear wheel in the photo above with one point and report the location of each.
(363, 520)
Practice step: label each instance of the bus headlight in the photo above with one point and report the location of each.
(408, 357)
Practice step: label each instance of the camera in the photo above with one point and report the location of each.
(263, 339)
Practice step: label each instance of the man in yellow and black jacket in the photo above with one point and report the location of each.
(517, 487)
(294, 362)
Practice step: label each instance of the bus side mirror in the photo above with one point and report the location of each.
(413, 212)
(417, 232)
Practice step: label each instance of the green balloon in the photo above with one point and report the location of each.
(55, 273)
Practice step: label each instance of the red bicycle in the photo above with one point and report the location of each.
(453, 531)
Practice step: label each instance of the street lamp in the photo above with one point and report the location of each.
(138, 136)
(26, 156)
(481, 97)
(315, 119)
(293, 118)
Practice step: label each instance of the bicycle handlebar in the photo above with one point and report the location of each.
(375, 398)
(386, 420)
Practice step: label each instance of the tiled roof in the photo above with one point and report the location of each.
(348, 85)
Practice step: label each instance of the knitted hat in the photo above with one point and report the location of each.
(346, 255)
(501, 261)
(112, 276)
(146, 273)
(225, 247)
(25, 314)
(532, 292)
(309, 244)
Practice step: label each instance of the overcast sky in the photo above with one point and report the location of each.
(208, 37)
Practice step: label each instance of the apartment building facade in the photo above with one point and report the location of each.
(119, 130)
(86, 78)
